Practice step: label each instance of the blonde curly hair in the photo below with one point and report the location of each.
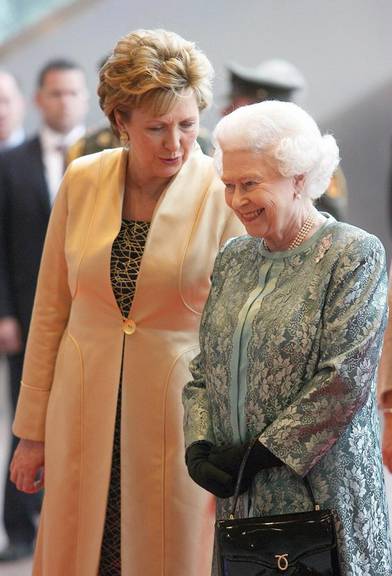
(153, 68)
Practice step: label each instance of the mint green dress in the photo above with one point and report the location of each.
(290, 343)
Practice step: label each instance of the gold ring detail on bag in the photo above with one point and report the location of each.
(283, 562)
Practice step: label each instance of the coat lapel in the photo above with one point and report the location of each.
(107, 218)
(171, 225)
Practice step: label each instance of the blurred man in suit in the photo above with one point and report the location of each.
(278, 79)
(96, 139)
(30, 175)
(12, 109)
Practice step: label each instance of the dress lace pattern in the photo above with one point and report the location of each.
(127, 254)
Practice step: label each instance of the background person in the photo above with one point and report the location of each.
(290, 340)
(97, 139)
(124, 276)
(30, 175)
(274, 79)
(12, 110)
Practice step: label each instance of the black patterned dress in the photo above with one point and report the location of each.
(127, 252)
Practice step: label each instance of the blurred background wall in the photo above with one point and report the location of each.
(343, 47)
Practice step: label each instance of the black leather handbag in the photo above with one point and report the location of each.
(299, 544)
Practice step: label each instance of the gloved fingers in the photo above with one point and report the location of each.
(214, 480)
(216, 474)
(198, 451)
(228, 458)
(219, 482)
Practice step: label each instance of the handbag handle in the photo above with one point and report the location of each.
(316, 506)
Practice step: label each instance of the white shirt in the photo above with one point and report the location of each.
(16, 138)
(53, 157)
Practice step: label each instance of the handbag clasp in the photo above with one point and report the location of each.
(282, 561)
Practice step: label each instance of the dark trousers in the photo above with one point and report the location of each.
(20, 509)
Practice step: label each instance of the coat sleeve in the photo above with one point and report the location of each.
(197, 417)
(385, 369)
(354, 319)
(49, 319)
(195, 398)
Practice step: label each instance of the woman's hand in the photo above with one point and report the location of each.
(10, 336)
(387, 441)
(206, 474)
(229, 459)
(27, 466)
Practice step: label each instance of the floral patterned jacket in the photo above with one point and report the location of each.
(290, 343)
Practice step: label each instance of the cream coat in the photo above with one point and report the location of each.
(72, 370)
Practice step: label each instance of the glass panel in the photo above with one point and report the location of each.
(15, 15)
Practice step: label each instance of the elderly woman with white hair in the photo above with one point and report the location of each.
(290, 341)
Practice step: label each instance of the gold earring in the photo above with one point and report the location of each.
(124, 138)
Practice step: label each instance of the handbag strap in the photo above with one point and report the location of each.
(241, 473)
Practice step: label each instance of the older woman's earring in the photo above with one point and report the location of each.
(124, 138)
(297, 195)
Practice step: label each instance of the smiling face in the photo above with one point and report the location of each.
(159, 145)
(265, 201)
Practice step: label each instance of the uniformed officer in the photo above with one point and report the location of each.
(94, 141)
(271, 80)
(97, 139)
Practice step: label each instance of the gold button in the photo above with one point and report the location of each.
(129, 327)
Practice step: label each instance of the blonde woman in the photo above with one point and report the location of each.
(124, 276)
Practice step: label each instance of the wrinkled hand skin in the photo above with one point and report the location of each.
(27, 466)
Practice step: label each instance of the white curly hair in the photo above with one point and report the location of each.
(287, 135)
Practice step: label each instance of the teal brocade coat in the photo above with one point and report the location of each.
(290, 344)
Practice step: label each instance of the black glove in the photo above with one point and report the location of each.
(204, 473)
(229, 460)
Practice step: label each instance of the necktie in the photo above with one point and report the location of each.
(62, 149)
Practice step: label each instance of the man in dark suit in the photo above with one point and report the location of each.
(30, 175)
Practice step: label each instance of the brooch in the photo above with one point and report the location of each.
(324, 246)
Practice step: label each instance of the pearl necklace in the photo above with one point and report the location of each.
(302, 233)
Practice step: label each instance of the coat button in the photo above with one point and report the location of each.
(129, 326)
